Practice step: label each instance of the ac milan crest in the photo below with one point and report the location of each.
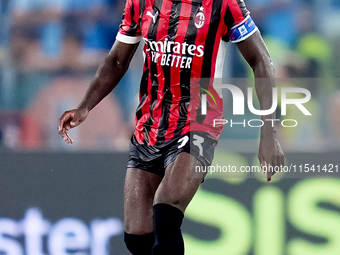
(199, 18)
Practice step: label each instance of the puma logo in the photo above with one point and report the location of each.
(153, 16)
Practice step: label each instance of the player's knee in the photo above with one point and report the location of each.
(176, 198)
(139, 244)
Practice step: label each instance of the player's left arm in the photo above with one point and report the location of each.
(256, 54)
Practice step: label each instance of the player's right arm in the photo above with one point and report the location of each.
(106, 79)
(110, 71)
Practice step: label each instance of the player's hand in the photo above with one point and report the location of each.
(70, 119)
(270, 154)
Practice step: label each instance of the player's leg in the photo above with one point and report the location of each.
(139, 190)
(172, 197)
(178, 187)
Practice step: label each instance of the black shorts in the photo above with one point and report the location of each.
(155, 159)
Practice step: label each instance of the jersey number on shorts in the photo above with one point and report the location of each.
(198, 142)
(183, 141)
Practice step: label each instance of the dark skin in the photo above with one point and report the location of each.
(256, 54)
(144, 189)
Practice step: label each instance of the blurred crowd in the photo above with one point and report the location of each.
(50, 50)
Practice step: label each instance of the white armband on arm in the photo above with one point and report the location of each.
(128, 39)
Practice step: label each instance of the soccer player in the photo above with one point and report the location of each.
(183, 41)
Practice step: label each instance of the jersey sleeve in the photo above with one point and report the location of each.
(239, 24)
(129, 29)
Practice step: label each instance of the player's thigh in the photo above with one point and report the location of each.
(139, 191)
(178, 187)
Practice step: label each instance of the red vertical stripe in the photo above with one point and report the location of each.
(162, 33)
(127, 17)
(139, 131)
(136, 7)
(236, 11)
(175, 74)
(198, 61)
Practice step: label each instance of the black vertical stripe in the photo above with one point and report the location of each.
(167, 101)
(243, 7)
(190, 38)
(143, 90)
(152, 36)
(229, 19)
(210, 41)
(141, 12)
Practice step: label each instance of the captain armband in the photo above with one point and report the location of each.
(243, 30)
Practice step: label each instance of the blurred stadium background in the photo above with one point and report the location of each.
(68, 199)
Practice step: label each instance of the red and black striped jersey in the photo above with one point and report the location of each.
(182, 43)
